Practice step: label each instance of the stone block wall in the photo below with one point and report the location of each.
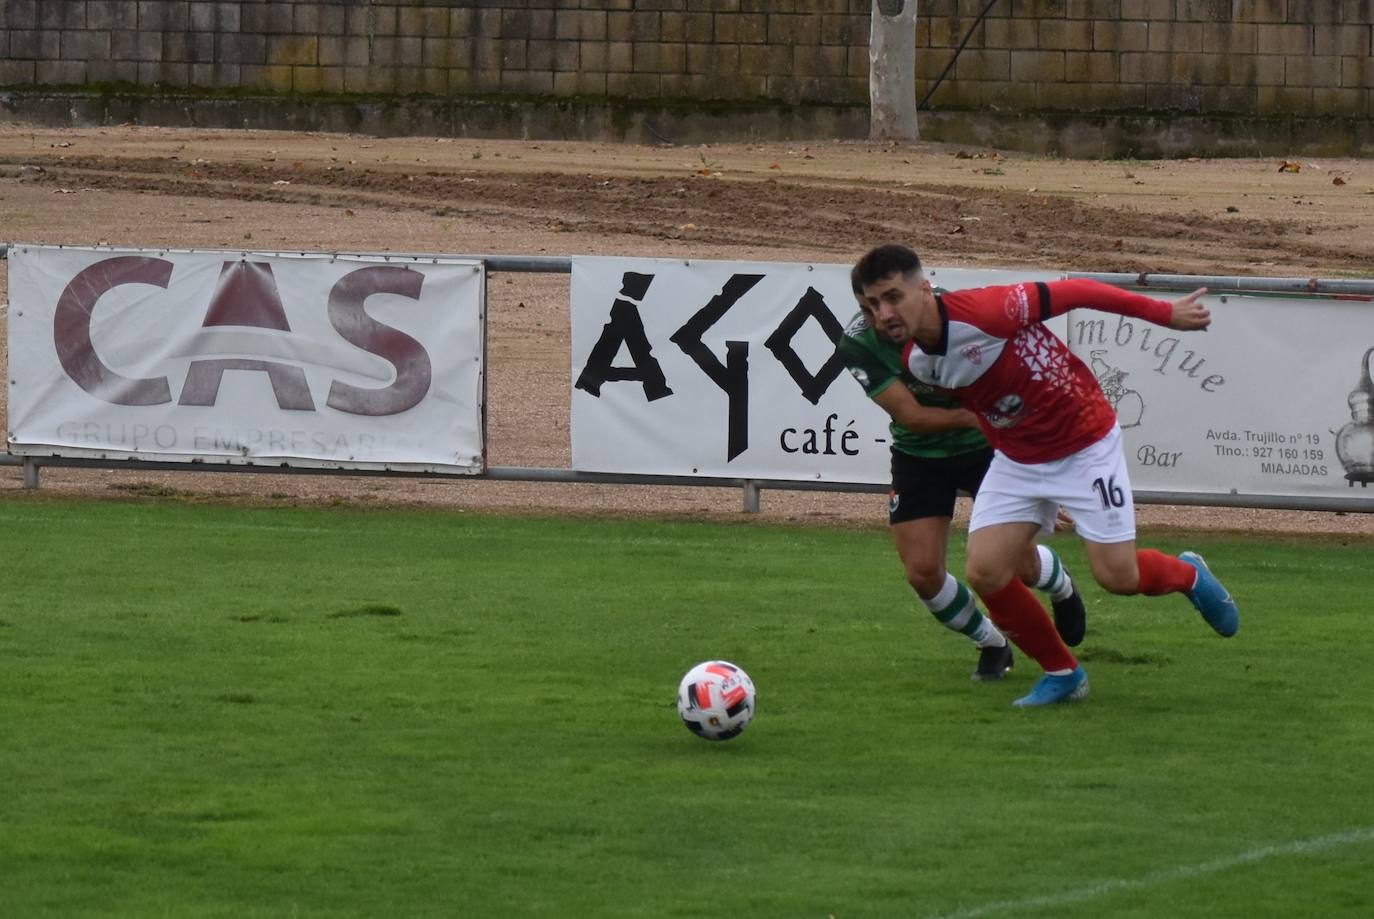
(1254, 57)
(792, 50)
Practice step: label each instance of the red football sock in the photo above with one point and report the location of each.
(1163, 574)
(1019, 614)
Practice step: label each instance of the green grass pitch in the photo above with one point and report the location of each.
(222, 711)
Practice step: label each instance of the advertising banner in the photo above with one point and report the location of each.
(1273, 399)
(347, 362)
(726, 369)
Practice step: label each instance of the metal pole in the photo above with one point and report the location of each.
(30, 472)
(1330, 286)
(751, 496)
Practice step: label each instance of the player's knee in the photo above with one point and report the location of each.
(925, 579)
(1122, 581)
(986, 578)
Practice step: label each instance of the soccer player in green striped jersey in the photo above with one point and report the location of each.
(937, 451)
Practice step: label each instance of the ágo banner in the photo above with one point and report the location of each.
(726, 369)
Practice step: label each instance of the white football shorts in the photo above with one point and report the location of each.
(1092, 485)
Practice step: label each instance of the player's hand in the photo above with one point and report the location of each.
(1189, 315)
(1062, 521)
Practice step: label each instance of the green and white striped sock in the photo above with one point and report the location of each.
(955, 609)
(1054, 577)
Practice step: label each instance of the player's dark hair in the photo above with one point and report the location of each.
(883, 261)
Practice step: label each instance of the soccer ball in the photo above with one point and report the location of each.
(716, 700)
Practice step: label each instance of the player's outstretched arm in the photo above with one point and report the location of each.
(1056, 298)
(905, 410)
(1189, 315)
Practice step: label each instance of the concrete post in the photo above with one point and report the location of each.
(892, 71)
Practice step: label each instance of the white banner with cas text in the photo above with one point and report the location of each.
(350, 362)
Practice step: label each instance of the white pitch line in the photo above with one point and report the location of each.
(1159, 878)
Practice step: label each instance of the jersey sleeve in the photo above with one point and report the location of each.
(1058, 297)
(865, 366)
(1004, 311)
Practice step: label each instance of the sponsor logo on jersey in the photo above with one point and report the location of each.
(893, 500)
(972, 353)
(860, 375)
(857, 325)
(1008, 407)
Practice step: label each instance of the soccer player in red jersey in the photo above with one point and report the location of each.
(1056, 438)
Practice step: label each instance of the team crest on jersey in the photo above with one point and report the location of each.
(1017, 304)
(972, 353)
(1008, 408)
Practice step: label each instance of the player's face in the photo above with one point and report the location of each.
(894, 304)
(873, 320)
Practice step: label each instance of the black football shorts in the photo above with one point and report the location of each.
(926, 486)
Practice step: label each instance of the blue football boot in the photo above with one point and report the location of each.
(1211, 599)
(1050, 689)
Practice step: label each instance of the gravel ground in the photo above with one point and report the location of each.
(824, 201)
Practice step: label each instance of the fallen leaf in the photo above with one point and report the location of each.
(1232, 209)
(1338, 181)
(1290, 166)
(348, 212)
(1118, 244)
(959, 228)
(687, 226)
(776, 166)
